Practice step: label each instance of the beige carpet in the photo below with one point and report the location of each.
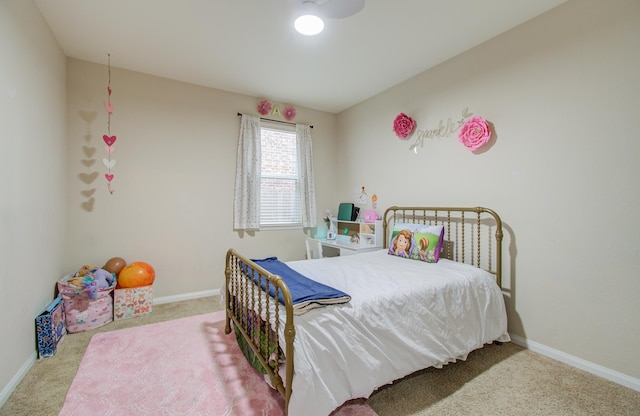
(495, 380)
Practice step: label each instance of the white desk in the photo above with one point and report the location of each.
(345, 247)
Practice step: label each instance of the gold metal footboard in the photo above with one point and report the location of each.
(256, 317)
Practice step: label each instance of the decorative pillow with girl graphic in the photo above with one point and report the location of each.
(417, 241)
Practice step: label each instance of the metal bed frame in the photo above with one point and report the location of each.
(472, 235)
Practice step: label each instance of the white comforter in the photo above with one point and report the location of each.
(404, 315)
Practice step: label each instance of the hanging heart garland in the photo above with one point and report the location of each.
(108, 138)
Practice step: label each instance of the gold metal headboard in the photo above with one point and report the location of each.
(464, 235)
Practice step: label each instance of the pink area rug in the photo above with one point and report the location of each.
(187, 366)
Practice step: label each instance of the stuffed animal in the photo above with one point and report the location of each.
(84, 270)
(97, 279)
(90, 286)
(77, 279)
(103, 277)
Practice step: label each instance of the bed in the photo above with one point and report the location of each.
(401, 316)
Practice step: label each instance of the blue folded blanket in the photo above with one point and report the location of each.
(305, 293)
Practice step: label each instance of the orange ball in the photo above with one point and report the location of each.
(136, 274)
(114, 265)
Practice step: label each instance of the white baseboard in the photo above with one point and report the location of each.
(17, 378)
(598, 370)
(186, 296)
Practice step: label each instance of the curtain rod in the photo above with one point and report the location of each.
(276, 121)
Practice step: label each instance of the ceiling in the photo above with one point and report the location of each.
(250, 46)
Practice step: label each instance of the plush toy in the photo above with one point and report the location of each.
(90, 286)
(84, 270)
(103, 277)
(96, 279)
(76, 281)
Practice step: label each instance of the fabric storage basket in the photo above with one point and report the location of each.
(81, 312)
(132, 302)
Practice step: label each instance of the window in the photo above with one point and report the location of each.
(283, 160)
(280, 187)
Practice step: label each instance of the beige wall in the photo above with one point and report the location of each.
(32, 182)
(564, 172)
(175, 155)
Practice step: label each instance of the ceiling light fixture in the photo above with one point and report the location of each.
(309, 24)
(311, 13)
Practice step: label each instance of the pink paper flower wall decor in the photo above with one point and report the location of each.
(264, 107)
(289, 113)
(474, 133)
(403, 125)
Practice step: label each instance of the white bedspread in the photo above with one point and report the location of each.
(404, 315)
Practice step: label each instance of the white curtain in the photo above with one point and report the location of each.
(246, 201)
(306, 179)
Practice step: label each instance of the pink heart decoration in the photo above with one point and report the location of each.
(109, 140)
(109, 107)
(108, 176)
(109, 149)
(109, 89)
